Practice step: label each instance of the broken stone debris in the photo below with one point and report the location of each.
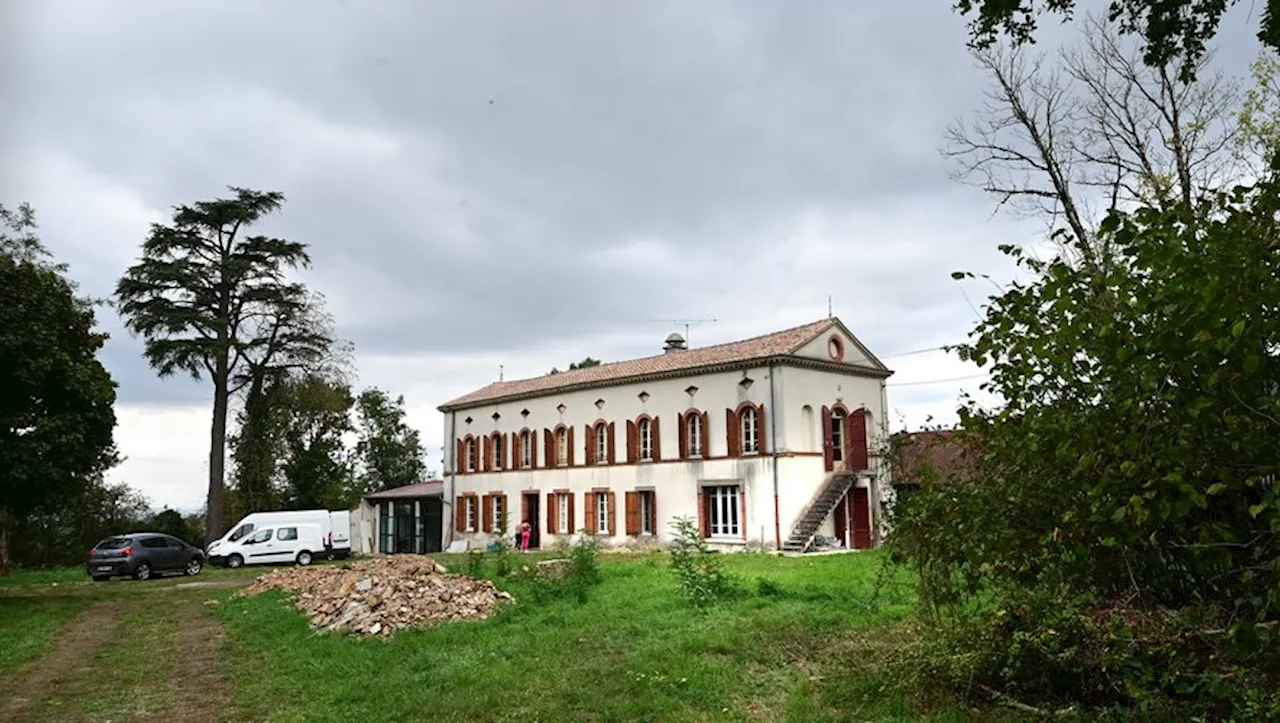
(382, 595)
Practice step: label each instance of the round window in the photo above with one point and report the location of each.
(835, 348)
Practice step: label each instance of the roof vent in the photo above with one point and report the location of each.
(674, 342)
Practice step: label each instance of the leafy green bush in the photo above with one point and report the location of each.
(1113, 541)
(699, 572)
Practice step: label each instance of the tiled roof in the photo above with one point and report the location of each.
(430, 488)
(780, 343)
(932, 455)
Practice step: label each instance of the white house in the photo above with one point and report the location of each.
(765, 442)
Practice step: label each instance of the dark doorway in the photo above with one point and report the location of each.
(431, 522)
(842, 520)
(529, 512)
(404, 525)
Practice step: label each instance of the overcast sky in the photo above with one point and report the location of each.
(516, 183)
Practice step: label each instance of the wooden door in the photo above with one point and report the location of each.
(860, 525)
(842, 520)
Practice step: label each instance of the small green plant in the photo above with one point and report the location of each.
(699, 572)
(768, 588)
(475, 563)
(583, 569)
(502, 554)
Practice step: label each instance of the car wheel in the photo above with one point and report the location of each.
(101, 578)
(143, 572)
(235, 561)
(304, 558)
(194, 567)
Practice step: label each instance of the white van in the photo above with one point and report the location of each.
(291, 543)
(335, 532)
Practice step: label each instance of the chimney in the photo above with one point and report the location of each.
(674, 343)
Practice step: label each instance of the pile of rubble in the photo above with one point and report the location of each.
(382, 595)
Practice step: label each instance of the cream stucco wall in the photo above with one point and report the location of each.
(788, 429)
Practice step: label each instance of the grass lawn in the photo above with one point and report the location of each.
(788, 650)
(635, 652)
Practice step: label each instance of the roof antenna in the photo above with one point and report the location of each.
(829, 315)
(686, 323)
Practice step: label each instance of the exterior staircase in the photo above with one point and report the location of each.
(826, 499)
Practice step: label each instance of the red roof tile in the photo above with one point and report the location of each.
(931, 455)
(780, 343)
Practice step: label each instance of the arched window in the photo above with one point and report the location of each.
(646, 438)
(526, 449)
(693, 435)
(750, 431)
(602, 443)
(471, 454)
(837, 435)
(562, 446)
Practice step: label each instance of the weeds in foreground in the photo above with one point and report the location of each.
(700, 573)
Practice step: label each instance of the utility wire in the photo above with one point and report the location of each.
(934, 381)
(913, 352)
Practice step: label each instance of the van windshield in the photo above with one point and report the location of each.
(241, 531)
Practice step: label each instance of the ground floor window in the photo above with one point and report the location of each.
(646, 512)
(724, 510)
(563, 524)
(602, 513)
(470, 504)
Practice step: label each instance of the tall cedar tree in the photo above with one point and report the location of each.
(390, 451)
(57, 401)
(210, 300)
(1172, 29)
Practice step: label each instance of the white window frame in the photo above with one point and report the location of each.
(495, 508)
(562, 447)
(750, 432)
(837, 435)
(646, 438)
(526, 450)
(471, 454)
(602, 444)
(724, 518)
(693, 431)
(470, 503)
(564, 524)
(495, 442)
(602, 513)
(646, 512)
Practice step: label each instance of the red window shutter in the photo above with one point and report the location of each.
(553, 513)
(613, 516)
(633, 513)
(733, 432)
(656, 431)
(460, 462)
(828, 457)
(573, 519)
(533, 449)
(704, 524)
(549, 448)
(682, 430)
(487, 514)
(742, 511)
(460, 514)
(857, 430)
(631, 441)
(506, 463)
(589, 498)
(653, 512)
(706, 435)
(761, 436)
(591, 444)
(516, 457)
(610, 445)
(571, 445)
(487, 448)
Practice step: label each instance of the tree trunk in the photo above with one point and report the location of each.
(5, 565)
(214, 522)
